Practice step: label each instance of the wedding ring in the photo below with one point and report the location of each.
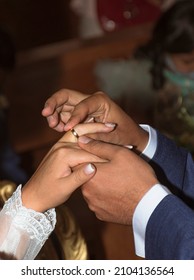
(74, 133)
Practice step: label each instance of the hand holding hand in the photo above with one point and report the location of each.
(119, 184)
(60, 106)
(65, 168)
(66, 108)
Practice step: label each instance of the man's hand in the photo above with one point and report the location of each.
(119, 184)
(65, 168)
(67, 108)
(59, 107)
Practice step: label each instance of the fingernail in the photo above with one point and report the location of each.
(112, 125)
(130, 147)
(84, 139)
(89, 169)
(90, 120)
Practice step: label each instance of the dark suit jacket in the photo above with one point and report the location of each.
(170, 229)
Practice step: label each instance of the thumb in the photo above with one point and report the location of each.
(80, 175)
(101, 149)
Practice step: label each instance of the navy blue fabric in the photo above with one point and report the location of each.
(170, 230)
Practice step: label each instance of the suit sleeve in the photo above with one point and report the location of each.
(170, 229)
(174, 168)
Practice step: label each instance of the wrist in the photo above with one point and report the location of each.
(29, 199)
(141, 140)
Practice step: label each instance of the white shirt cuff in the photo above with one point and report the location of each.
(150, 149)
(150, 200)
(142, 214)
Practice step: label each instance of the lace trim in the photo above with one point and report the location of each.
(38, 225)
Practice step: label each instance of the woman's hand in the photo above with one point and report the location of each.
(67, 108)
(65, 168)
(87, 129)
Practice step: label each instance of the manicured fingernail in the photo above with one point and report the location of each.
(84, 139)
(90, 120)
(89, 169)
(130, 147)
(112, 125)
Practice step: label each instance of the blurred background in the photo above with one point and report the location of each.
(58, 44)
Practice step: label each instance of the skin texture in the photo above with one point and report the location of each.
(124, 177)
(66, 108)
(65, 168)
(119, 183)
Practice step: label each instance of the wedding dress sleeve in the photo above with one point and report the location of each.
(24, 231)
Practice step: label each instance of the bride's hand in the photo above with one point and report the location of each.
(65, 168)
(88, 129)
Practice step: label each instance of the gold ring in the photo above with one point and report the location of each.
(74, 133)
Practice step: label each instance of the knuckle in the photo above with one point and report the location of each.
(60, 151)
(95, 144)
(98, 216)
(102, 95)
(85, 191)
(99, 92)
(91, 206)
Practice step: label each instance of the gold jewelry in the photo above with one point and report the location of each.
(74, 133)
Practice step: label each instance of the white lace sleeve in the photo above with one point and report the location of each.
(24, 231)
